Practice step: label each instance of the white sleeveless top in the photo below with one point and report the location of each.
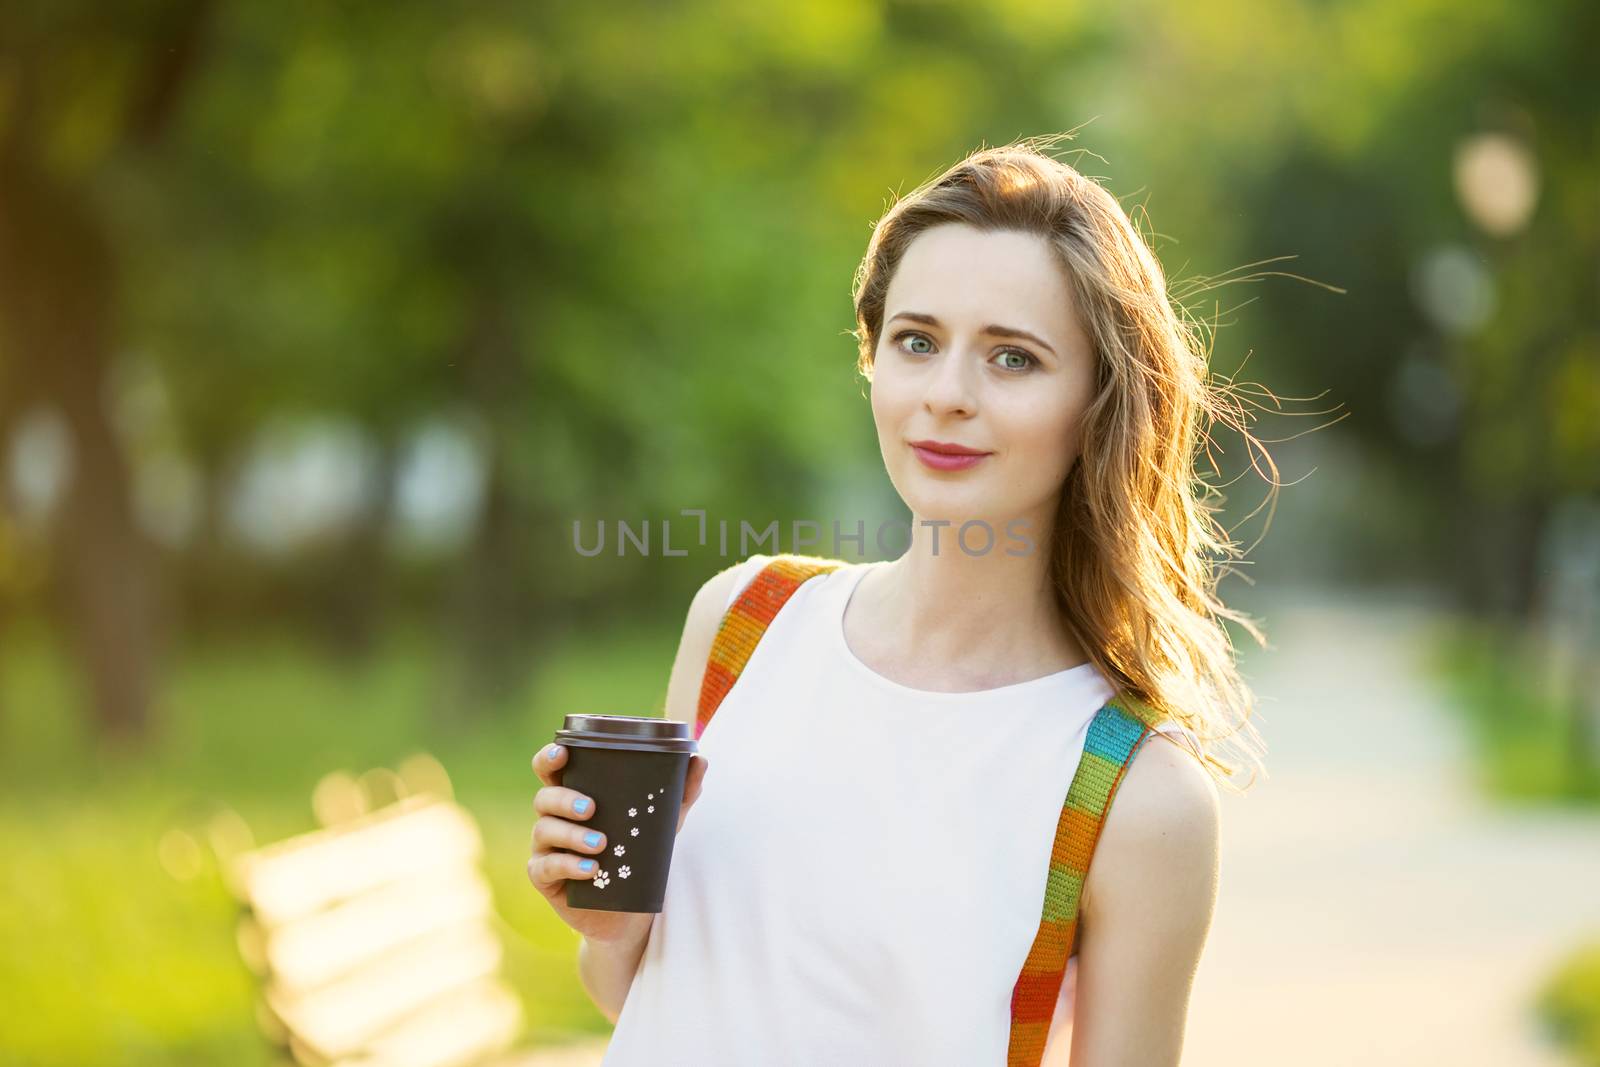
(863, 873)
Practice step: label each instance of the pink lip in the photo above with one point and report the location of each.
(945, 461)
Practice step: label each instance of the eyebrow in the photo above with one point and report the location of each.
(991, 330)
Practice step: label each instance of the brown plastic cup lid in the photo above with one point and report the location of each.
(634, 732)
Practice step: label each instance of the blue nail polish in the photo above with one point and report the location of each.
(555, 750)
(587, 865)
(591, 839)
(580, 805)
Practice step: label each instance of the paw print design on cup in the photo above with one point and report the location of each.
(610, 758)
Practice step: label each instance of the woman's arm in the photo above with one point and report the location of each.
(607, 969)
(1146, 910)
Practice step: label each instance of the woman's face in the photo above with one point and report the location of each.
(981, 347)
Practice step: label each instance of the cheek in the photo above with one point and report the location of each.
(1043, 435)
(888, 398)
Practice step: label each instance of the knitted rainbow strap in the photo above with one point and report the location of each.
(1114, 736)
(744, 624)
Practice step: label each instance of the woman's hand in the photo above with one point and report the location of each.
(555, 830)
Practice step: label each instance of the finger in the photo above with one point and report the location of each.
(567, 803)
(550, 832)
(553, 868)
(693, 781)
(547, 763)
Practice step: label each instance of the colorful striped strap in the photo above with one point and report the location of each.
(746, 620)
(1115, 734)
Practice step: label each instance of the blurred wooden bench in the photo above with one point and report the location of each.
(374, 937)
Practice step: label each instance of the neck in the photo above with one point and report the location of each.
(994, 610)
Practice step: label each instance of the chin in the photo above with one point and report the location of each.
(956, 509)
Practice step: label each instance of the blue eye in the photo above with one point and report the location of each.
(1028, 359)
(914, 335)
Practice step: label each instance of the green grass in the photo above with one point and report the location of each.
(1570, 1005)
(1522, 737)
(107, 958)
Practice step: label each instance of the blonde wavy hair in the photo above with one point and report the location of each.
(1136, 552)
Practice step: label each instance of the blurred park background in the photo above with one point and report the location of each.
(321, 324)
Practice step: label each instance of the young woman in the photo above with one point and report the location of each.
(863, 880)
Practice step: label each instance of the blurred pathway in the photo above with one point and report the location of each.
(1373, 910)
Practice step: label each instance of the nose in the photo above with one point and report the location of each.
(950, 388)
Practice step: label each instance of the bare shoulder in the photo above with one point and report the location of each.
(1164, 793)
(711, 600)
(694, 646)
(1162, 829)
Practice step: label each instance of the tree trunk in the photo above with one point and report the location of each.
(489, 586)
(58, 289)
(354, 596)
(57, 280)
